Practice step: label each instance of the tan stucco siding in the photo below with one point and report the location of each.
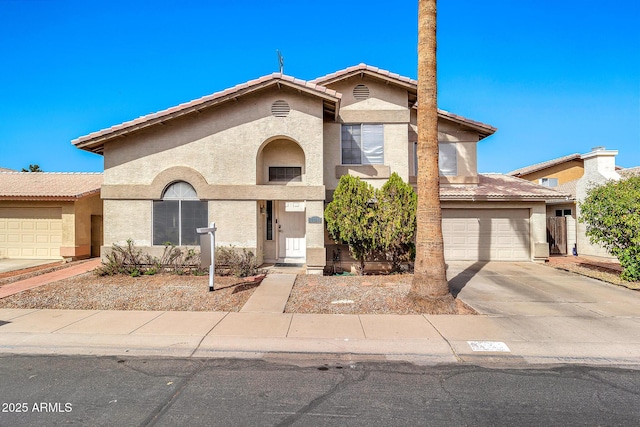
(316, 256)
(76, 242)
(236, 223)
(127, 219)
(565, 172)
(382, 97)
(222, 143)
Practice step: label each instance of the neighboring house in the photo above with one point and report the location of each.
(263, 158)
(50, 215)
(574, 175)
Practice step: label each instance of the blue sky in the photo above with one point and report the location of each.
(555, 77)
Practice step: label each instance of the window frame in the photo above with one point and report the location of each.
(415, 158)
(286, 169)
(546, 182)
(379, 150)
(171, 199)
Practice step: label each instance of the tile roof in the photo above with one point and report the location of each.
(48, 185)
(500, 187)
(568, 187)
(204, 102)
(349, 71)
(404, 81)
(543, 165)
(629, 172)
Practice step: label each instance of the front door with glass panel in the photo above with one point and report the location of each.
(291, 232)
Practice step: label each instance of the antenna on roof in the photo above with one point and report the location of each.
(280, 61)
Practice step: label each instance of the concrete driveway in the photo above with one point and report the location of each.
(529, 289)
(11, 264)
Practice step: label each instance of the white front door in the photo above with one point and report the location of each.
(291, 231)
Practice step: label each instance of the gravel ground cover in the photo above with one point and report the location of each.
(383, 294)
(376, 294)
(158, 292)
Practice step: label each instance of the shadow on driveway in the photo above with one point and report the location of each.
(457, 283)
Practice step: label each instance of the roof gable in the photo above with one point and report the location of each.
(544, 165)
(95, 141)
(364, 69)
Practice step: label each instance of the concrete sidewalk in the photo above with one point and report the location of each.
(531, 314)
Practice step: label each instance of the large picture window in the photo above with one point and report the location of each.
(362, 144)
(177, 215)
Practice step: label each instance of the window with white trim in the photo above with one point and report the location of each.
(549, 182)
(362, 144)
(177, 215)
(447, 158)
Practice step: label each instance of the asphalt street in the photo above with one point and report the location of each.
(304, 390)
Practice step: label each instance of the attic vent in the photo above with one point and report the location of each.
(280, 108)
(361, 92)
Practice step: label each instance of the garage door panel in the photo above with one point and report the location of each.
(30, 232)
(486, 234)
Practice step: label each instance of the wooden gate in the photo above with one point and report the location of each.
(557, 235)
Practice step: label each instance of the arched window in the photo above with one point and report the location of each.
(177, 215)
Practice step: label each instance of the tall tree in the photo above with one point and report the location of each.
(429, 288)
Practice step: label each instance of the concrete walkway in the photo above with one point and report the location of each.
(530, 314)
(44, 279)
(271, 296)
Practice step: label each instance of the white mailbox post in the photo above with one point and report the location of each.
(208, 250)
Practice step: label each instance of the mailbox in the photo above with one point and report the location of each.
(207, 250)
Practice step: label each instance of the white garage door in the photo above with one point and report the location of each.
(30, 233)
(486, 234)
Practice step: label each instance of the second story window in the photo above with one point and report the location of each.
(447, 158)
(549, 182)
(362, 144)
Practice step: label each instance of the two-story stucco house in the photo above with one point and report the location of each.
(263, 158)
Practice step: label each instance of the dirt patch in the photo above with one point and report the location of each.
(356, 295)
(600, 272)
(159, 292)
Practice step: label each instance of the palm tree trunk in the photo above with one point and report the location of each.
(429, 288)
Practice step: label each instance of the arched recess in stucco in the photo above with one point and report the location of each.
(178, 173)
(278, 151)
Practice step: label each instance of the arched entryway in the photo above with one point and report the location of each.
(281, 162)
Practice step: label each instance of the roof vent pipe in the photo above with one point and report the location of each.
(598, 148)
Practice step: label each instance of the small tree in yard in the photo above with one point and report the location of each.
(351, 217)
(397, 215)
(611, 213)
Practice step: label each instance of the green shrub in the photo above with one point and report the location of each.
(611, 213)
